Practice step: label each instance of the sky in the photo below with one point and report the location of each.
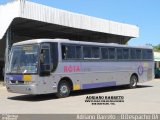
(143, 13)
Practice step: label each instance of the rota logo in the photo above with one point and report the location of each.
(71, 68)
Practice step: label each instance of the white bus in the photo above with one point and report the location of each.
(60, 66)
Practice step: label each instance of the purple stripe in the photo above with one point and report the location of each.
(14, 77)
(97, 85)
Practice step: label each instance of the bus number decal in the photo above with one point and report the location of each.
(71, 68)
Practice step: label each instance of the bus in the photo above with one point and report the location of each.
(42, 66)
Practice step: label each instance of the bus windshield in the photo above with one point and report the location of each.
(24, 59)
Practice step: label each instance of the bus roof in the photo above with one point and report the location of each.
(60, 40)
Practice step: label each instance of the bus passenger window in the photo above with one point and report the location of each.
(54, 56)
(133, 54)
(111, 53)
(150, 54)
(147, 54)
(104, 52)
(95, 52)
(86, 52)
(71, 52)
(45, 61)
(144, 54)
(78, 52)
(138, 54)
(44, 56)
(119, 53)
(64, 52)
(125, 53)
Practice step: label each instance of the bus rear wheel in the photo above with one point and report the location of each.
(63, 89)
(133, 81)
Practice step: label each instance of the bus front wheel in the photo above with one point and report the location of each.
(133, 81)
(63, 89)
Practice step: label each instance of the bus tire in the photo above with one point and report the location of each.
(133, 81)
(63, 90)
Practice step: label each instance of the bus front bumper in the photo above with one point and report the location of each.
(23, 89)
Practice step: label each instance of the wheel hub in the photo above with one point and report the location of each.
(64, 89)
(134, 82)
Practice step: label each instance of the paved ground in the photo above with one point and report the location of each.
(144, 99)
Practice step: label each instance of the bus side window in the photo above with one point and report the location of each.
(144, 54)
(45, 60)
(111, 53)
(150, 54)
(64, 49)
(133, 53)
(86, 52)
(104, 53)
(125, 53)
(95, 52)
(70, 52)
(78, 52)
(54, 56)
(138, 54)
(147, 54)
(119, 53)
(44, 56)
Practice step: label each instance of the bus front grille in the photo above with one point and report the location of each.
(16, 82)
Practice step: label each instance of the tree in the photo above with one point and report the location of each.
(157, 48)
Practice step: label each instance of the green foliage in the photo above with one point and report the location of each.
(157, 48)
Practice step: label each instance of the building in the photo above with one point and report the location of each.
(157, 64)
(21, 20)
(157, 59)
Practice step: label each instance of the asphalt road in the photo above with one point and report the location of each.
(144, 99)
